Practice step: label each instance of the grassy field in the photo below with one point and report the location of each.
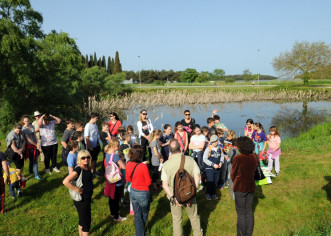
(297, 203)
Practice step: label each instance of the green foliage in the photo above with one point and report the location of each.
(204, 76)
(218, 74)
(303, 60)
(159, 82)
(92, 81)
(247, 75)
(117, 65)
(113, 85)
(189, 75)
(229, 80)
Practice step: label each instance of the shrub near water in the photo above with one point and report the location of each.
(204, 96)
(297, 203)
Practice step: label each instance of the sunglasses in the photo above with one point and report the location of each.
(188, 114)
(87, 157)
(144, 114)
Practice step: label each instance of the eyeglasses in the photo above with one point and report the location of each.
(87, 157)
(187, 114)
(144, 114)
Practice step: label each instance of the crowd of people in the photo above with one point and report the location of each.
(214, 157)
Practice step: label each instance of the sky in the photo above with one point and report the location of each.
(179, 34)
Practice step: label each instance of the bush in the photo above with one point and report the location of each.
(229, 80)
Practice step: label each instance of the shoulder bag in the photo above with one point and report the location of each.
(78, 183)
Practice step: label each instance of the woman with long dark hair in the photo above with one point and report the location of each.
(114, 123)
(242, 175)
(138, 175)
(145, 127)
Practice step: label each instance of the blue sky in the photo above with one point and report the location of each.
(204, 35)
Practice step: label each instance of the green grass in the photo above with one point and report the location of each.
(297, 203)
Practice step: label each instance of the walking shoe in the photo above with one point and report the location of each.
(48, 171)
(38, 177)
(13, 197)
(208, 197)
(226, 185)
(277, 173)
(215, 197)
(56, 170)
(19, 193)
(132, 213)
(120, 219)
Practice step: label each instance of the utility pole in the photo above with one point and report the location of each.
(139, 70)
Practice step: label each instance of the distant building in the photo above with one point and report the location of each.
(130, 81)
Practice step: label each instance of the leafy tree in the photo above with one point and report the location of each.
(189, 75)
(323, 73)
(112, 65)
(247, 75)
(114, 86)
(203, 77)
(302, 60)
(92, 81)
(117, 65)
(219, 74)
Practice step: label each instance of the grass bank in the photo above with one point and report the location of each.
(297, 203)
(149, 98)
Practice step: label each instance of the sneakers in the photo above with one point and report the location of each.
(38, 177)
(56, 170)
(208, 197)
(48, 171)
(19, 193)
(120, 219)
(226, 185)
(215, 197)
(277, 173)
(132, 213)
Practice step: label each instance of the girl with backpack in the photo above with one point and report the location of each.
(182, 137)
(156, 158)
(114, 190)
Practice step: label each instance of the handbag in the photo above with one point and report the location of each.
(112, 172)
(78, 183)
(258, 172)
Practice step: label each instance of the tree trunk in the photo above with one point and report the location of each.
(305, 79)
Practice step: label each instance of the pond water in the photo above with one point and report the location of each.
(292, 118)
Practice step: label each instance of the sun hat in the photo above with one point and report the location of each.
(213, 138)
(36, 113)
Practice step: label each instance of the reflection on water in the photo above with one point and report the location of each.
(291, 118)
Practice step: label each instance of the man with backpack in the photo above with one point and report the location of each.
(176, 180)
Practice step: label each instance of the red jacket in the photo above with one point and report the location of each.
(243, 172)
(141, 178)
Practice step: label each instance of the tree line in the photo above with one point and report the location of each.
(47, 72)
(190, 75)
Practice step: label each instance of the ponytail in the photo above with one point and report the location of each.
(154, 134)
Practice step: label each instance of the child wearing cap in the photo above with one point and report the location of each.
(213, 159)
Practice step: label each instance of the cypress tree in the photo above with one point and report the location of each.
(90, 64)
(109, 66)
(95, 62)
(112, 65)
(86, 61)
(99, 62)
(83, 60)
(117, 66)
(103, 62)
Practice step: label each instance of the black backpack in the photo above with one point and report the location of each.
(184, 185)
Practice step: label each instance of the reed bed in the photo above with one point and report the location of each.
(178, 97)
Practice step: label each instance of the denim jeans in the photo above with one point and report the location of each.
(33, 164)
(212, 179)
(198, 157)
(140, 202)
(245, 216)
(13, 186)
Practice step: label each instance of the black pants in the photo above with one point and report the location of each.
(223, 174)
(84, 213)
(114, 204)
(50, 153)
(144, 143)
(245, 216)
(65, 152)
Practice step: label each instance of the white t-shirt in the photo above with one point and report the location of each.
(198, 140)
(92, 132)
